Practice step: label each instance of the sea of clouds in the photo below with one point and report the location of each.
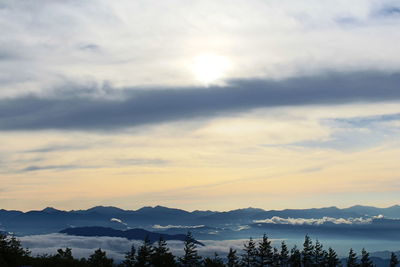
(115, 247)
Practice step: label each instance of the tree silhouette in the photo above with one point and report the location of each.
(144, 255)
(233, 260)
(213, 262)
(264, 252)
(130, 258)
(249, 258)
(393, 260)
(320, 255)
(190, 257)
(11, 251)
(65, 255)
(352, 259)
(99, 259)
(284, 255)
(162, 256)
(332, 258)
(308, 252)
(276, 258)
(365, 260)
(295, 257)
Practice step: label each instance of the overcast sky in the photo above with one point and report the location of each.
(199, 104)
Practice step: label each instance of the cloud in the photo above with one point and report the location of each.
(147, 106)
(56, 148)
(114, 246)
(121, 42)
(141, 161)
(50, 167)
(164, 227)
(324, 220)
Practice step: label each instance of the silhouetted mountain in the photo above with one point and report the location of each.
(132, 234)
(392, 212)
(50, 220)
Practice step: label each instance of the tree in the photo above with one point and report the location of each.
(233, 260)
(145, 253)
(130, 258)
(249, 258)
(190, 257)
(213, 262)
(63, 258)
(308, 252)
(66, 255)
(284, 255)
(276, 258)
(352, 259)
(365, 260)
(295, 257)
(264, 252)
(11, 251)
(162, 256)
(320, 255)
(393, 260)
(99, 259)
(332, 258)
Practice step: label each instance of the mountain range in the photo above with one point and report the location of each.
(173, 221)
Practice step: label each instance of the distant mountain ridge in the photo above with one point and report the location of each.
(50, 220)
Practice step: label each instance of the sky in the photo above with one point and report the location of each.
(199, 104)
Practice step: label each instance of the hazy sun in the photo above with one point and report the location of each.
(209, 68)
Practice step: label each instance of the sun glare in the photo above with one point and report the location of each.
(210, 68)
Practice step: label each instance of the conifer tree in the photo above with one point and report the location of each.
(145, 253)
(365, 260)
(393, 260)
(264, 252)
(284, 255)
(130, 258)
(320, 255)
(352, 259)
(332, 258)
(308, 252)
(162, 256)
(233, 260)
(64, 255)
(190, 257)
(99, 259)
(276, 258)
(295, 257)
(249, 258)
(213, 262)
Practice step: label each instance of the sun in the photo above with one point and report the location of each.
(210, 68)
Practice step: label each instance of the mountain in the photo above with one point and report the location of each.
(51, 220)
(131, 234)
(392, 212)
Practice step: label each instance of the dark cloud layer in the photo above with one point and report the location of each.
(146, 106)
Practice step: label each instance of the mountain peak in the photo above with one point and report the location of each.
(50, 210)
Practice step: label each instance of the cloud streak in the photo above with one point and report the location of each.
(324, 220)
(147, 106)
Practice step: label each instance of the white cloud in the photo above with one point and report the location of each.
(302, 221)
(117, 221)
(114, 246)
(49, 42)
(163, 227)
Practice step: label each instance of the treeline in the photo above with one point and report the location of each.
(255, 254)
